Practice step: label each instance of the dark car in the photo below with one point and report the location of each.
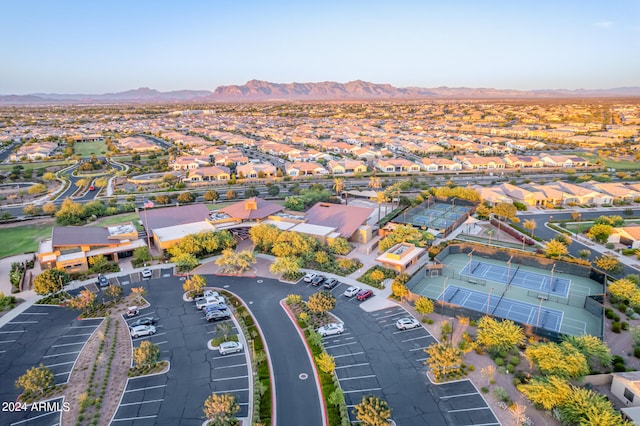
(364, 294)
(218, 315)
(144, 321)
(215, 307)
(331, 283)
(317, 280)
(102, 281)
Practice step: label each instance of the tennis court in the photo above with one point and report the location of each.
(515, 276)
(434, 215)
(524, 313)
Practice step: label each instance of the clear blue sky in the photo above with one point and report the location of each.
(109, 46)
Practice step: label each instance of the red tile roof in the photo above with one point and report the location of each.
(252, 209)
(346, 219)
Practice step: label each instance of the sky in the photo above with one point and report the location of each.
(110, 46)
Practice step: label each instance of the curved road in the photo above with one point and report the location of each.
(297, 400)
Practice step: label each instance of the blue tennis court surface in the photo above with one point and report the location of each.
(524, 313)
(515, 276)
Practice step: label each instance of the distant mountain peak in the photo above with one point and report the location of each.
(260, 90)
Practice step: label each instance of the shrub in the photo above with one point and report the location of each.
(514, 360)
(499, 361)
(636, 352)
(501, 394)
(484, 389)
(619, 368)
(608, 312)
(616, 327)
(624, 325)
(429, 321)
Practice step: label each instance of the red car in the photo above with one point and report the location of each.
(92, 188)
(364, 294)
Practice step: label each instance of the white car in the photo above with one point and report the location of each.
(309, 277)
(352, 291)
(142, 330)
(229, 348)
(330, 329)
(146, 273)
(407, 323)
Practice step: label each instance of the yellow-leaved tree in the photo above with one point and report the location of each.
(498, 336)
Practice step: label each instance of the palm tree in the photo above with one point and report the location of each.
(530, 225)
(375, 183)
(338, 185)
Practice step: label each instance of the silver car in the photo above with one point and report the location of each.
(407, 323)
(229, 348)
(352, 291)
(142, 330)
(331, 329)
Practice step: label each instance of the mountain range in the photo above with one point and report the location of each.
(261, 91)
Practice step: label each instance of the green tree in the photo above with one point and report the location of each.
(555, 248)
(584, 254)
(600, 233)
(185, 262)
(423, 305)
(498, 336)
(99, 263)
(146, 354)
(321, 302)
(326, 363)
(141, 255)
(595, 350)
(84, 301)
(36, 379)
(372, 411)
(211, 196)
(586, 407)
(221, 409)
(444, 359)
(50, 281)
(562, 360)
(224, 329)
(194, 285)
(288, 266)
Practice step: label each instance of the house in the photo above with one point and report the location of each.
(440, 164)
(189, 162)
(137, 144)
(346, 166)
(522, 195)
(256, 170)
(552, 197)
(481, 163)
(397, 165)
(167, 226)
(34, 151)
(252, 209)
(401, 256)
(347, 221)
(626, 235)
(626, 387)
(522, 161)
(563, 161)
(493, 195)
(577, 194)
(207, 174)
(617, 191)
(71, 247)
(304, 168)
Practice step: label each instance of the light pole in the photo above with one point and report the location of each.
(522, 243)
(509, 269)
(551, 279)
(578, 228)
(444, 286)
(489, 300)
(539, 308)
(470, 260)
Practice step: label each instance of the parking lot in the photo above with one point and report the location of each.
(48, 335)
(182, 333)
(136, 277)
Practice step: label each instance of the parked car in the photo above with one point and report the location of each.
(330, 329)
(209, 300)
(309, 277)
(407, 323)
(102, 281)
(132, 311)
(317, 280)
(331, 283)
(146, 273)
(364, 294)
(229, 348)
(142, 330)
(143, 321)
(215, 307)
(208, 293)
(218, 315)
(92, 188)
(352, 291)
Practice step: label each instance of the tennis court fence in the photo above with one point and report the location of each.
(577, 301)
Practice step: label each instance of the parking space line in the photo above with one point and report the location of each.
(63, 354)
(362, 390)
(337, 340)
(7, 341)
(353, 365)
(134, 418)
(142, 402)
(150, 335)
(415, 338)
(148, 387)
(62, 374)
(409, 329)
(422, 359)
(459, 395)
(60, 363)
(85, 326)
(355, 353)
(13, 331)
(76, 335)
(391, 315)
(337, 336)
(231, 355)
(469, 409)
(23, 322)
(230, 378)
(163, 342)
(230, 366)
(419, 349)
(393, 324)
(341, 344)
(33, 313)
(68, 344)
(231, 390)
(484, 424)
(1, 352)
(36, 417)
(359, 377)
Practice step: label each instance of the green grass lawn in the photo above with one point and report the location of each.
(615, 164)
(22, 239)
(36, 165)
(86, 149)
